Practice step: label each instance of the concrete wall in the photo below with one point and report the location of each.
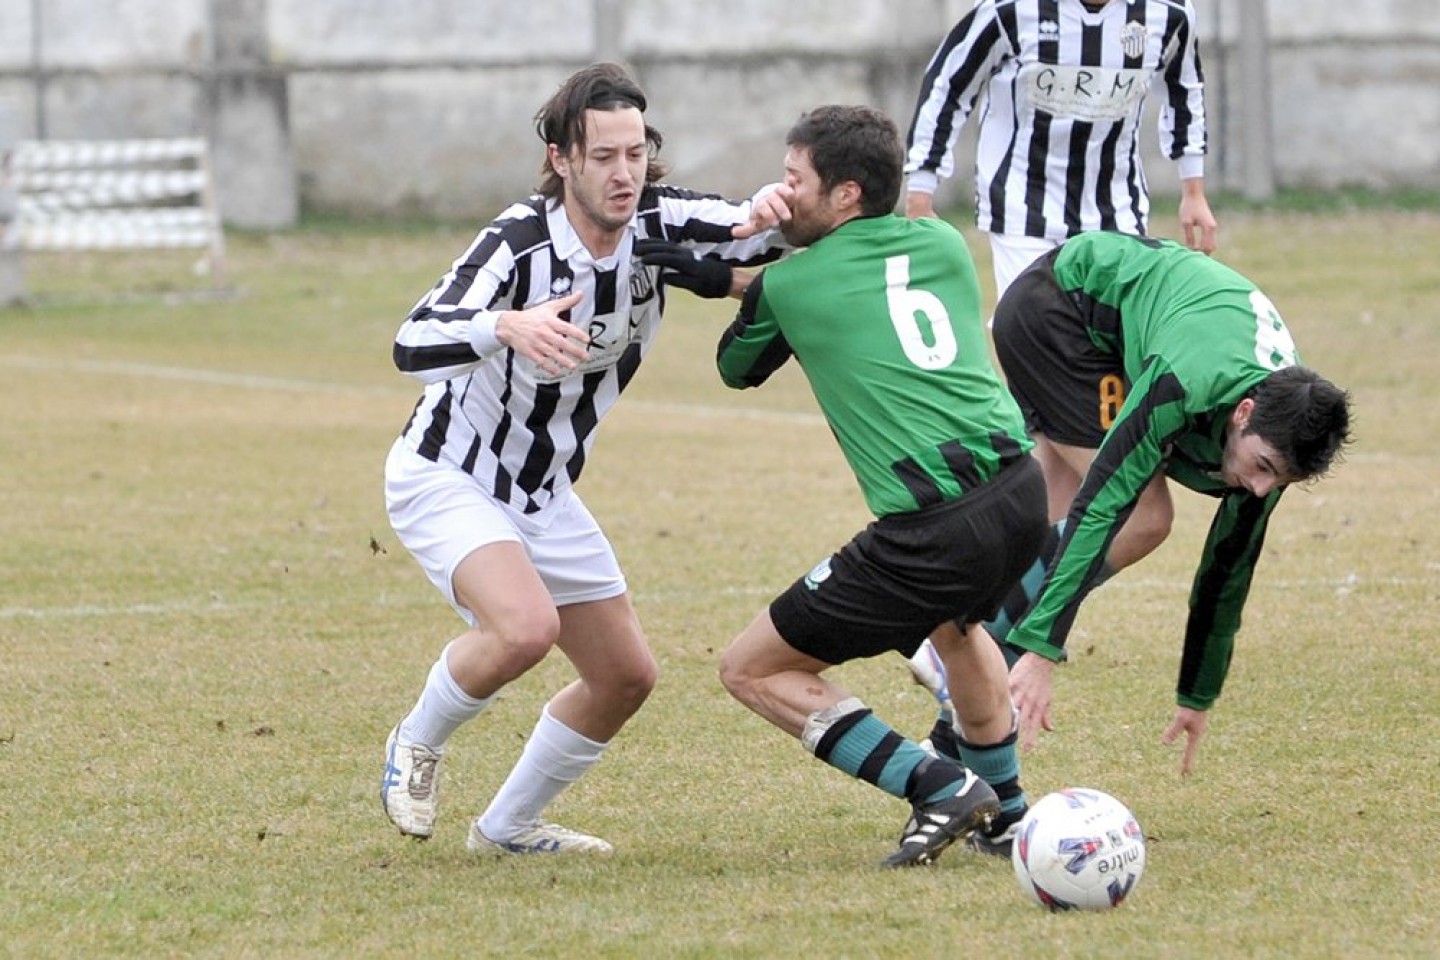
(424, 107)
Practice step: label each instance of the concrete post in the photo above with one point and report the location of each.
(609, 29)
(1259, 169)
(254, 164)
(12, 260)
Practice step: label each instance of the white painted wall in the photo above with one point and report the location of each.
(425, 107)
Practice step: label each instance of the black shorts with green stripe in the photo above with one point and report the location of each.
(907, 573)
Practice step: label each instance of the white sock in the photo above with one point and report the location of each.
(554, 757)
(441, 709)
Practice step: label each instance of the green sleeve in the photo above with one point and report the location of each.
(1217, 597)
(1132, 453)
(753, 346)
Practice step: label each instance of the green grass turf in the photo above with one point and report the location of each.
(207, 629)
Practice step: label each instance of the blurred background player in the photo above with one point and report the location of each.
(524, 346)
(1064, 85)
(883, 314)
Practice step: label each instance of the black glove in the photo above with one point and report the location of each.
(702, 276)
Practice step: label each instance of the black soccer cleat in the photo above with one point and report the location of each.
(934, 826)
(997, 837)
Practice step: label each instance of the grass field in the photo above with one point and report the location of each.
(207, 629)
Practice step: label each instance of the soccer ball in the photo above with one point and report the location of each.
(1078, 849)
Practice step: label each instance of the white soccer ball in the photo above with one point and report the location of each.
(1078, 849)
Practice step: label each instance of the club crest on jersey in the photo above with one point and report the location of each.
(1132, 40)
(642, 287)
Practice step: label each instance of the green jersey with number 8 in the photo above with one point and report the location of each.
(1190, 338)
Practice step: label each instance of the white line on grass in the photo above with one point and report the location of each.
(221, 378)
(253, 381)
(263, 382)
(1342, 585)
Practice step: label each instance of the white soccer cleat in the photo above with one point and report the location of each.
(928, 670)
(410, 789)
(540, 838)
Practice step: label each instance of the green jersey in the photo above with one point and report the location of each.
(884, 317)
(1193, 337)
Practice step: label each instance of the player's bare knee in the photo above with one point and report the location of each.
(1153, 528)
(524, 641)
(634, 687)
(736, 678)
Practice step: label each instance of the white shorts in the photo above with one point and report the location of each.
(1013, 254)
(442, 515)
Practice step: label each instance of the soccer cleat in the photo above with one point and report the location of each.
(934, 826)
(540, 838)
(410, 789)
(998, 836)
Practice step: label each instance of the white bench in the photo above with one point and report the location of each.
(112, 195)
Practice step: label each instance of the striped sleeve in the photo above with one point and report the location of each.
(953, 81)
(1132, 453)
(1222, 584)
(753, 346)
(1182, 115)
(703, 221)
(452, 327)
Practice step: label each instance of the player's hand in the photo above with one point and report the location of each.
(702, 276)
(769, 208)
(1201, 229)
(1192, 723)
(919, 205)
(544, 336)
(1031, 687)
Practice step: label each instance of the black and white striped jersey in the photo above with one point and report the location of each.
(524, 434)
(1064, 88)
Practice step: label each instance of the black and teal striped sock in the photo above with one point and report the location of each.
(998, 764)
(1021, 595)
(869, 749)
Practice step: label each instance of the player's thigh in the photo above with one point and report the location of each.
(1069, 458)
(1074, 461)
(760, 651)
(604, 641)
(498, 585)
(1063, 473)
(468, 544)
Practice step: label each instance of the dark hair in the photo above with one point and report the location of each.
(561, 121)
(854, 143)
(1305, 417)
